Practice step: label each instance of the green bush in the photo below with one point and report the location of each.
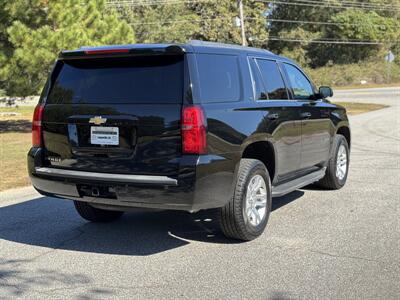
(353, 74)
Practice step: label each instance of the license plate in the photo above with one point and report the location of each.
(104, 135)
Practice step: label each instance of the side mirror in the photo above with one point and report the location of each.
(325, 92)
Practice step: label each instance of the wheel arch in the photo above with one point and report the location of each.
(345, 131)
(263, 151)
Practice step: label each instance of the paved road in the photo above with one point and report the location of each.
(337, 244)
(389, 96)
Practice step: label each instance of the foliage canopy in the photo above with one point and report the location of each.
(33, 32)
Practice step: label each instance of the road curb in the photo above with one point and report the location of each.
(18, 194)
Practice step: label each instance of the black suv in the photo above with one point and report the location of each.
(185, 127)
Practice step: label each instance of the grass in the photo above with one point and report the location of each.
(24, 113)
(354, 108)
(374, 73)
(14, 147)
(15, 141)
(367, 86)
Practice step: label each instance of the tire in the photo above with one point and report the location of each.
(333, 180)
(234, 219)
(97, 215)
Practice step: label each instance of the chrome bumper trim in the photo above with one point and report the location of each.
(146, 179)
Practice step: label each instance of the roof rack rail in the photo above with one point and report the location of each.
(223, 45)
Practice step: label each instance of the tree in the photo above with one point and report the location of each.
(33, 15)
(294, 29)
(66, 25)
(256, 25)
(170, 22)
(357, 25)
(218, 22)
(204, 20)
(379, 24)
(298, 51)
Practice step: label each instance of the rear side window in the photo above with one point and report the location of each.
(219, 78)
(257, 81)
(273, 81)
(151, 79)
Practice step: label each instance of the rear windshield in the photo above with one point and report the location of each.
(152, 79)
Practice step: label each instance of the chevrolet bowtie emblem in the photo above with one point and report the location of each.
(98, 120)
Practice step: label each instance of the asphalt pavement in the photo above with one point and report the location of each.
(318, 244)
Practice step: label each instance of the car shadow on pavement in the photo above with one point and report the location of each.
(284, 200)
(314, 187)
(53, 223)
(16, 282)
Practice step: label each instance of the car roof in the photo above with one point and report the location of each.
(193, 46)
(212, 47)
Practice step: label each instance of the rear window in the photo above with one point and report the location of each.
(152, 79)
(219, 78)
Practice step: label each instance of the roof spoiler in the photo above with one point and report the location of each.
(120, 51)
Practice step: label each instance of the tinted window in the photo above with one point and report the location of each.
(302, 88)
(257, 81)
(153, 79)
(272, 77)
(219, 78)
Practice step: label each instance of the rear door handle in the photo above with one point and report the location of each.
(273, 116)
(306, 115)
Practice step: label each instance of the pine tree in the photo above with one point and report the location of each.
(33, 15)
(65, 25)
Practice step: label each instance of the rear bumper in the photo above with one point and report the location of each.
(106, 177)
(204, 182)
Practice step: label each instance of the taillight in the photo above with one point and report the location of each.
(193, 130)
(37, 126)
